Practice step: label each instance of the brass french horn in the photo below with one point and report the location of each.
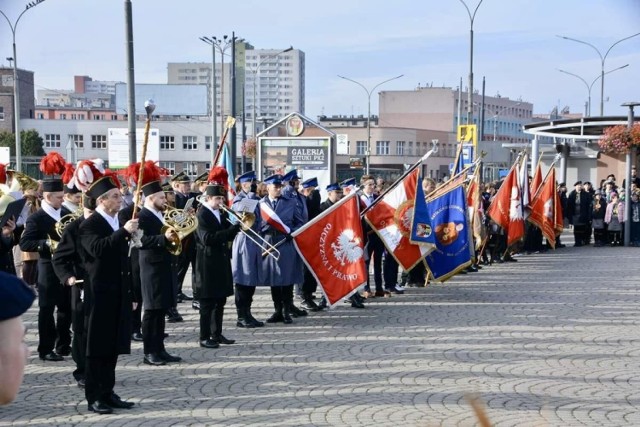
(181, 224)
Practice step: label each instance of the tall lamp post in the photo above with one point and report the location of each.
(472, 17)
(16, 99)
(630, 159)
(590, 86)
(221, 45)
(603, 58)
(254, 71)
(369, 92)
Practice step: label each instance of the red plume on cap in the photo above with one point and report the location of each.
(52, 164)
(3, 173)
(218, 176)
(67, 175)
(87, 172)
(151, 172)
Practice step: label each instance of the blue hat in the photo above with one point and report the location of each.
(273, 179)
(333, 187)
(348, 182)
(15, 296)
(247, 177)
(291, 175)
(311, 182)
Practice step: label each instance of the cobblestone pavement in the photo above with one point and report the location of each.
(550, 340)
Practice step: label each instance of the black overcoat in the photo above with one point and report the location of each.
(109, 317)
(585, 207)
(158, 275)
(213, 257)
(68, 261)
(134, 262)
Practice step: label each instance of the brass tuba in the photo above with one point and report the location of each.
(181, 224)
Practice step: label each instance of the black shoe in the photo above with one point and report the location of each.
(310, 305)
(136, 336)
(115, 401)
(244, 323)
(168, 357)
(195, 305)
(286, 318)
(64, 351)
(323, 303)
(355, 303)
(296, 312)
(472, 269)
(183, 297)
(154, 359)
(276, 317)
(255, 322)
(222, 340)
(52, 357)
(100, 408)
(81, 383)
(209, 344)
(173, 316)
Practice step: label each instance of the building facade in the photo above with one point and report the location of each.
(25, 95)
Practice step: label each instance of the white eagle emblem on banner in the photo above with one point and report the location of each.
(347, 247)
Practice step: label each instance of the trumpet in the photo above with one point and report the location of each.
(181, 224)
(247, 219)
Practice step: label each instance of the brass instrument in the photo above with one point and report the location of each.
(60, 227)
(22, 182)
(247, 219)
(181, 224)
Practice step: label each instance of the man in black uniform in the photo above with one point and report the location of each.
(39, 235)
(310, 285)
(157, 274)
(68, 264)
(109, 316)
(125, 215)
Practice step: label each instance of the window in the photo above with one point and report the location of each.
(190, 168)
(189, 142)
(74, 117)
(207, 165)
(207, 143)
(99, 142)
(114, 117)
(1, 113)
(52, 140)
(382, 148)
(78, 140)
(167, 142)
(410, 150)
(170, 166)
(361, 147)
(400, 148)
(40, 116)
(63, 116)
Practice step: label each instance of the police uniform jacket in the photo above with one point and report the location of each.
(287, 270)
(213, 267)
(246, 255)
(38, 228)
(109, 317)
(313, 204)
(157, 270)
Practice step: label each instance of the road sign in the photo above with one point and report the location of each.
(468, 133)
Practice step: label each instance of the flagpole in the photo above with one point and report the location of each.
(553, 164)
(399, 180)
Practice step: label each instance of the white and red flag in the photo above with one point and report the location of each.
(523, 182)
(391, 218)
(506, 208)
(545, 207)
(271, 217)
(331, 245)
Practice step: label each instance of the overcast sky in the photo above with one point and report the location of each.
(516, 47)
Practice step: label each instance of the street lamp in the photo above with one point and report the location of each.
(589, 86)
(369, 92)
(602, 60)
(472, 17)
(254, 71)
(222, 45)
(16, 100)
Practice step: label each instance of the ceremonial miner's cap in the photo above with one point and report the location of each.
(15, 296)
(68, 179)
(151, 188)
(247, 177)
(311, 182)
(214, 190)
(274, 179)
(52, 185)
(101, 186)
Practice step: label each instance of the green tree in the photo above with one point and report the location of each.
(32, 143)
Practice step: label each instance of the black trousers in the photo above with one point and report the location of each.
(187, 257)
(153, 324)
(136, 319)
(244, 298)
(390, 271)
(100, 378)
(79, 343)
(309, 285)
(55, 332)
(375, 248)
(211, 314)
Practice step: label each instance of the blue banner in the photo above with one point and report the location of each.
(448, 218)
(421, 230)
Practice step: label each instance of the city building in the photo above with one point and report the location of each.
(25, 96)
(85, 84)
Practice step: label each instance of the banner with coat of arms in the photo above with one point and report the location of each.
(332, 247)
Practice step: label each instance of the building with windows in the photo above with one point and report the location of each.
(25, 95)
(278, 80)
